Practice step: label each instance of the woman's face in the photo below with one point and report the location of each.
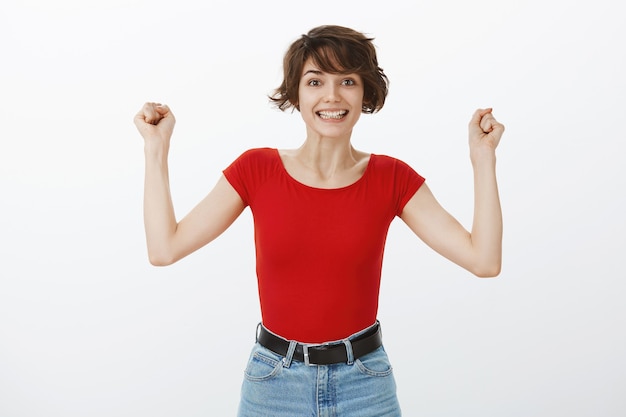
(330, 104)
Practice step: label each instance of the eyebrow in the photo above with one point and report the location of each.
(313, 71)
(318, 72)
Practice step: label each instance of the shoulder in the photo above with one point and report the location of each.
(387, 162)
(250, 170)
(259, 153)
(388, 168)
(398, 177)
(255, 157)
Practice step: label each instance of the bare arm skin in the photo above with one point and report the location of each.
(168, 240)
(478, 251)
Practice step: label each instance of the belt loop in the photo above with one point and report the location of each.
(287, 359)
(258, 331)
(349, 351)
(305, 353)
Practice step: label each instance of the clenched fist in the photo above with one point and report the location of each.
(484, 133)
(155, 122)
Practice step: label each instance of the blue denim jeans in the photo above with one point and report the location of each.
(278, 386)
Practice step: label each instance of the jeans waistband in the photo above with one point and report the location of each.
(341, 351)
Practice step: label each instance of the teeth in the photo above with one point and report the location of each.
(332, 114)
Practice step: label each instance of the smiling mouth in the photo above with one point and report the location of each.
(332, 115)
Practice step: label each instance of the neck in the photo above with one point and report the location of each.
(328, 156)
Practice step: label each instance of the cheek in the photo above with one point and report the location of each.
(359, 99)
(358, 94)
(304, 101)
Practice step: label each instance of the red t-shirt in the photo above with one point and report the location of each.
(319, 252)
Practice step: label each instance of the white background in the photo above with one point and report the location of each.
(89, 328)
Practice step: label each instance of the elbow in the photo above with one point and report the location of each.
(487, 272)
(160, 259)
(159, 262)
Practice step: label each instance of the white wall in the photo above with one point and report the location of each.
(89, 328)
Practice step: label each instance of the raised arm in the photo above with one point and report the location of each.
(169, 240)
(478, 251)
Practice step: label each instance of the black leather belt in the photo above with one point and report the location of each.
(324, 354)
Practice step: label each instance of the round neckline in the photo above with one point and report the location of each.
(292, 179)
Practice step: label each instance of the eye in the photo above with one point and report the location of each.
(314, 82)
(348, 82)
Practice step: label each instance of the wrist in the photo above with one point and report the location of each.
(156, 146)
(483, 158)
(156, 151)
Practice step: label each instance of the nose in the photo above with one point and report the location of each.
(332, 92)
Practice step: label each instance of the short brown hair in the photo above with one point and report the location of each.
(335, 49)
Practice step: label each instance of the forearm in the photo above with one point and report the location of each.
(486, 232)
(159, 218)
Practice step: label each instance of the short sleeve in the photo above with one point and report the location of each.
(407, 182)
(249, 170)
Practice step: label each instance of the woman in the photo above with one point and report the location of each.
(321, 215)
